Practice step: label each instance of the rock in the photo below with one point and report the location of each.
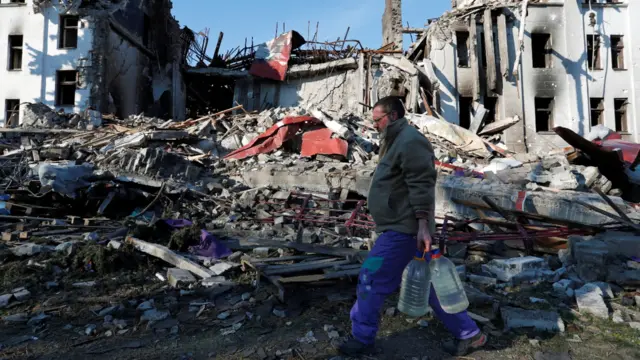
(515, 318)
(637, 300)
(154, 315)
(505, 270)
(108, 333)
(279, 313)
(179, 277)
(565, 180)
(107, 311)
(564, 255)
(261, 251)
(174, 330)
(223, 315)
(534, 342)
(90, 329)
(29, 249)
(145, 305)
(589, 299)
(221, 267)
(67, 247)
(21, 294)
(84, 284)
(119, 323)
(328, 328)
(36, 320)
(617, 317)
(333, 334)
(482, 280)
(607, 291)
(562, 286)
(635, 325)
(246, 296)
(423, 323)
(390, 311)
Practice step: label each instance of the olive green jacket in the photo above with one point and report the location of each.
(403, 186)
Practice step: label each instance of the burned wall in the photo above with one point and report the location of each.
(392, 23)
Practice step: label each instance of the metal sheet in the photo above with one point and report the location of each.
(319, 141)
(273, 138)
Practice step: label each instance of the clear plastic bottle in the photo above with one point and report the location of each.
(447, 284)
(414, 292)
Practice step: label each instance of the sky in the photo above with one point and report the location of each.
(242, 19)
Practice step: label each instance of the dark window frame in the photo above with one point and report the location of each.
(464, 61)
(466, 107)
(68, 33)
(11, 106)
(594, 58)
(16, 52)
(597, 112)
(621, 114)
(65, 79)
(617, 52)
(544, 111)
(542, 58)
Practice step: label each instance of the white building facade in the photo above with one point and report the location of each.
(72, 57)
(580, 68)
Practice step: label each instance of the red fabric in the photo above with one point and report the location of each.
(319, 141)
(273, 138)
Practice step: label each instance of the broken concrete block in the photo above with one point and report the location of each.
(5, 300)
(607, 291)
(221, 267)
(482, 280)
(154, 315)
(21, 294)
(635, 325)
(515, 318)
(29, 249)
(565, 180)
(617, 317)
(590, 300)
(622, 277)
(564, 255)
(562, 286)
(261, 251)
(178, 277)
(505, 270)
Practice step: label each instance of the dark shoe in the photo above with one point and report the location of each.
(353, 347)
(459, 347)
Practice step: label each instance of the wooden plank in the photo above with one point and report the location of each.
(503, 45)
(304, 267)
(473, 57)
(490, 50)
(162, 252)
(319, 277)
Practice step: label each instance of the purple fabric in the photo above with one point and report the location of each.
(210, 247)
(380, 276)
(178, 223)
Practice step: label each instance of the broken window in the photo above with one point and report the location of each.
(465, 111)
(66, 84)
(68, 38)
(617, 52)
(12, 111)
(593, 52)
(541, 50)
(462, 39)
(15, 52)
(597, 111)
(491, 105)
(620, 106)
(544, 114)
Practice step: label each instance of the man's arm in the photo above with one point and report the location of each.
(419, 172)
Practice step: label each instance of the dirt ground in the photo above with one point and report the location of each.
(194, 331)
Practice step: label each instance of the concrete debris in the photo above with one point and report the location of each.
(548, 321)
(506, 270)
(590, 300)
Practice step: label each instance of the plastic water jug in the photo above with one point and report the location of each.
(414, 292)
(447, 284)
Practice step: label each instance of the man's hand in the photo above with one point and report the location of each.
(424, 237)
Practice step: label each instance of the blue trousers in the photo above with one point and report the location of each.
(381, 275)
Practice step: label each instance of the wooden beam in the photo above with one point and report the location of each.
(490, 51)
(503, 45)
(473, 57)
(162, 252)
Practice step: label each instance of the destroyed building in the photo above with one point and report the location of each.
(577, 68)
(116, 56)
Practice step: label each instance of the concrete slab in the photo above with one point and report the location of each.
(548, 321)
(590, 301)
(178, 277)
(505, 270)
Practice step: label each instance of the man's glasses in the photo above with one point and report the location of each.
(375, 121)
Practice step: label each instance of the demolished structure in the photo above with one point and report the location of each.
(221, 217)
(118, 57)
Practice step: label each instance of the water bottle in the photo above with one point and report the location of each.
(414, 292)
(447, 284)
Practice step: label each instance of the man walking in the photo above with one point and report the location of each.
(401, 201)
